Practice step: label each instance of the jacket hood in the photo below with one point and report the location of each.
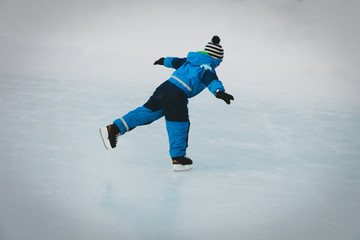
(198, 59)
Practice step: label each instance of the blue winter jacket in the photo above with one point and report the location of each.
(194, 73)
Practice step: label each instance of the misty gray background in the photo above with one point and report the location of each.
(281, 162)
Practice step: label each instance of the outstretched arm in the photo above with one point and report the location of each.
(215, 86)
(171, 62)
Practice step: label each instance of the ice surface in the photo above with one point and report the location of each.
(262, 170)
(281, 162)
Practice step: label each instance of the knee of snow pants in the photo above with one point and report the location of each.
(137, 117)
(178, 133)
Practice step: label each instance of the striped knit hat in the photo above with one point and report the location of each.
(214, 49)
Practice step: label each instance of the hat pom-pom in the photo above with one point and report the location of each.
(215, 40)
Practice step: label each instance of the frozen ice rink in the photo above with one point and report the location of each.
(281, 162)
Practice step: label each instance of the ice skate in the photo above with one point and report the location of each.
(109, 135)
(181, 164)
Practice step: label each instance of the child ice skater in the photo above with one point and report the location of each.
(192, 75)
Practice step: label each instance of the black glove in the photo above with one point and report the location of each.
(160, 61)
(224, 96)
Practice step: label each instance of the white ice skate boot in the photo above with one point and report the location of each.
(181, 164)
(109, 135)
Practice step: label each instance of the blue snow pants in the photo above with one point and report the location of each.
(170, 101)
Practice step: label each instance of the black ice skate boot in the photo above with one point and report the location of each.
(109, 135)
(182, 164)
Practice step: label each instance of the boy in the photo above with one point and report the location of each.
(193, 74)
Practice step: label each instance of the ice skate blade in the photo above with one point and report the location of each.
(182, 168)
(104, 137)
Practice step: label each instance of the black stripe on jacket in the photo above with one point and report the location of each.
(208, 77)
(178, 62)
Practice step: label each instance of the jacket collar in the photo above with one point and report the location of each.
(198, 59)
